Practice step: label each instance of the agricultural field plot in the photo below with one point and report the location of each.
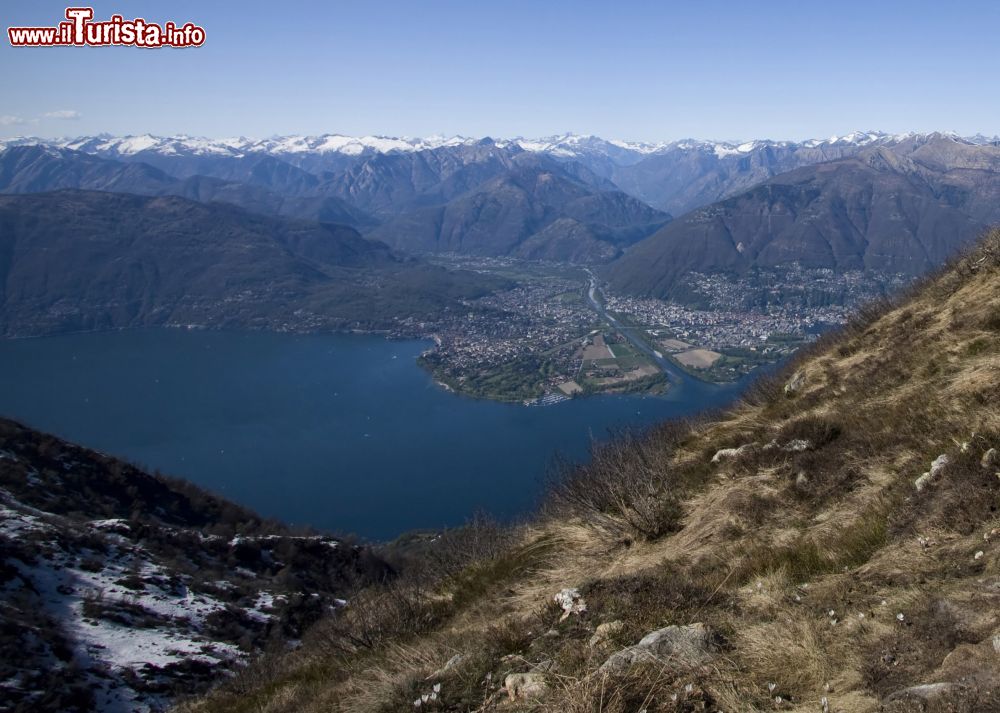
(698, 358)
(614, 367)
(598, 350)
(674, 345)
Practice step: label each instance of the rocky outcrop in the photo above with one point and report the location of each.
(729, 453)
(933, 698)
(685, 646)
(796, 445)
(939, 464)
(795, 384)
(525, 686)
(605, 632)
(570, 601)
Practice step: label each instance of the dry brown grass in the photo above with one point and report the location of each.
(763, 547)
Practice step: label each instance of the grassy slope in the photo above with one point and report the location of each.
(762, 547)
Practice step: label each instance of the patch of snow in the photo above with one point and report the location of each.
(562, 145)
(174, 615)
(131, 144)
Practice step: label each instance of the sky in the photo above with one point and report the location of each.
(647, 71)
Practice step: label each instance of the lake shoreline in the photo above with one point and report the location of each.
(341, 432)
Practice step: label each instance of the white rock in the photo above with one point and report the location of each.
(794, 384)
(525, 686)
(605, 631)
(449, 664)
(730, 453)
(689, 645)
(941, 697)
(939, 464)
(570, 601)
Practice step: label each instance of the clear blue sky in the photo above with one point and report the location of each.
(634, 70)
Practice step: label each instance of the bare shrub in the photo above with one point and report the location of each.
(378, 614)
(629, 488)
(482, 538)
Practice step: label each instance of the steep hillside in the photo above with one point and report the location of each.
(892, 210)
(686, 175)
(830, 544)
(80, 260)
(534, 210)
(39, 169)
(390, 184)
(691, 174)
(120, 590)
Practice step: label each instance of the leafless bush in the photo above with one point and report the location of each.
(378, 614)
(483, 538)
(629, 488)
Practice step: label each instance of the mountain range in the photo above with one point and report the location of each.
(533, 209)
(264, 188)
(901, 209)
(650, 213)
(83, 260)
(827, 544)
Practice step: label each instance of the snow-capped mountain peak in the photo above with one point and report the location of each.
(566, 145)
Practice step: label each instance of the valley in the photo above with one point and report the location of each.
(384, 342)
(723, 257)
(547, 337)
(541, 357)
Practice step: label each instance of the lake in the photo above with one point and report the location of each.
(341, 432)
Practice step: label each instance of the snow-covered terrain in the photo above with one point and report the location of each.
(125, 611)
(564, 145)
(123, 615)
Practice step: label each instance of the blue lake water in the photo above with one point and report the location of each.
(341, 432)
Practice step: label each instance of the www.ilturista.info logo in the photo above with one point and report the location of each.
(81, 31)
